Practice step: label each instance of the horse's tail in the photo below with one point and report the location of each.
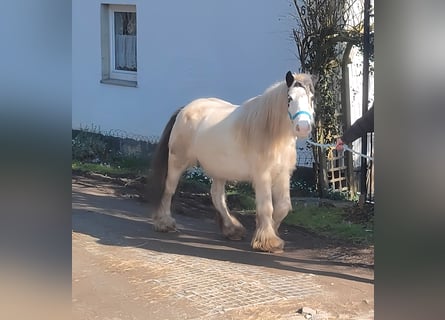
(159, 165)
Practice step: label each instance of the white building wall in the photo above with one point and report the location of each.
(356, 94)
(355, 69)
(230, 49)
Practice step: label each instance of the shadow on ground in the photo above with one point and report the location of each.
(116, 221)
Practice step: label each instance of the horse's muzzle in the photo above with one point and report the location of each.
(303, 128)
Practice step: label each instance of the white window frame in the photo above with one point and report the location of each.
(110, 75)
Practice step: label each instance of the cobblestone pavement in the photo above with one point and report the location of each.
(124, 270)
(219, 287)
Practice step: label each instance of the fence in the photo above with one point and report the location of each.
(342, 170)
(305, 155)
(93, 146)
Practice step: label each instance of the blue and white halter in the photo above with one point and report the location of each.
(298, 113)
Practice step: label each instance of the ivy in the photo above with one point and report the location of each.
(322, 32)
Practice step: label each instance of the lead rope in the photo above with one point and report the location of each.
(345, 147)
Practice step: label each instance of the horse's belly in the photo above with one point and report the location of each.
(225, 168)
(222, 158)
(216, 148)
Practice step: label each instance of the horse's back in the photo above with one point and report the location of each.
(202, 108)
(194, 116)
(201, 112)
(205, 131)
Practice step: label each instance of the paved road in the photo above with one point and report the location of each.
(122, 269)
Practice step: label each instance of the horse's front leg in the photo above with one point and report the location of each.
(281, 199)
(265, 237)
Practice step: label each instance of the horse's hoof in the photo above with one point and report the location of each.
(271, 250)
(235, 237)
(165, 226)
(276, 250)
(274, 245)
(235, 233)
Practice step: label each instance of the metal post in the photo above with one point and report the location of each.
(366, 49)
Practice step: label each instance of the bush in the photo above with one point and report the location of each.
(89, 145)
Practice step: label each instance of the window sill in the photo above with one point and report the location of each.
(116, 82)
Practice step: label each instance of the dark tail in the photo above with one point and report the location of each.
(159, 165)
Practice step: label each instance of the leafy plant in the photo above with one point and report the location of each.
(196, 174)
(324, 34)
(88, 146)
(302, 188)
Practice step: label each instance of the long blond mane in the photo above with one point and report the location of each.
(263, 122)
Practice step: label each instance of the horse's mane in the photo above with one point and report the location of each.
(263, 122)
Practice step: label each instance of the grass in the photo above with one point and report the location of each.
(330, 222)
(104, 169)
(241, 201)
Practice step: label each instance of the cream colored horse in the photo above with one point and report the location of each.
(253, 142)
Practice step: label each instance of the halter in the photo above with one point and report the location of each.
(298, 113)
(292, 117)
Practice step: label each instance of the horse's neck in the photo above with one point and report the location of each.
(269, 99)
(263, 122)
(251, 103)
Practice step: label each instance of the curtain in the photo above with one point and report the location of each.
(125, 53)
(125, 41)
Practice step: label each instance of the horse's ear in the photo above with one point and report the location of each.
(289, 79)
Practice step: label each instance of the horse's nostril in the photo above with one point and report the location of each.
(302, 126)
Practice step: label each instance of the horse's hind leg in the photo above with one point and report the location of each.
(230, 226)
(163, 220)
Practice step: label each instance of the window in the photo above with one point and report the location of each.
(119, 44)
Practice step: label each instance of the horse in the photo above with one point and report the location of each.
(254, 142)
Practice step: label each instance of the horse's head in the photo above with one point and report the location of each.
(301, 106)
